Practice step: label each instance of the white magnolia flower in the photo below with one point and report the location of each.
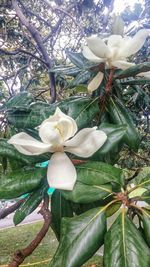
(114, 53)
(55, 133)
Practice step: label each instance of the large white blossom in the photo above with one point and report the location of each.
(56, 134)
(114, 52)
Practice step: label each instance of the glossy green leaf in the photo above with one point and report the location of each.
(124, 245)
(31, 117)
(81, 236)
(20, 100)
(142, 175)
(95, 181)
(82, 109)
(17, 183)
(99, 173)
(10, 152)
(60, 208)
(120, 115)
(66, 70)
(142, 180)
(81, 78)
(77, 59)
(30, 204)
(110, 150)
(113, 209)
(136, 81)
(146, 227)
(132, 71)
(145, 183)
(84, 193)
(146, 197)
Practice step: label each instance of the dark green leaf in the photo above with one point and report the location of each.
(99, 173)
(82, 109)
(81, 208)
(30, 204)
(136, 81)
(142, 175)
(77, 59)
(32, 117)
(145, 183)
(120, 115)
(146, 197)
(132, 71)
(95, 181)
(124, 245)
(60, 208)
(83, 193)
(66, 70)
(113, 209)
(20, 100)
(81, 236)
(146, 226)
(112, 146)
(142, 180)
(17, 183)
(81, 78)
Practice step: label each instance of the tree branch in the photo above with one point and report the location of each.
(66, 12)
(38, 39)
(29, 11)
(19, 50)
(9, 210)
(20, 255)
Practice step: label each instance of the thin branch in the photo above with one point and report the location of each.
(66, 12)
(38, 39)
(29, 11)
(18, 50)
(9, 210)
(20, 255)
(44, 91)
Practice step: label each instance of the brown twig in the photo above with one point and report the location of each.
(109, 82)
(103, 98)
(9, 210)
(21, 254)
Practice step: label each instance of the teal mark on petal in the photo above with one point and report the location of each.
(50, 191)
(42, 164)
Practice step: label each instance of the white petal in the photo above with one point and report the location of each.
(61, 172)
(133, 45)
(87, 53)
(65, 125)
(28, 145)
(96, 81)
(86, 142)
(145, 74)
(114, 41)
(120, 64)
(98, 47)
(50, 134)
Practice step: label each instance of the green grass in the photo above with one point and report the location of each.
(20, 236)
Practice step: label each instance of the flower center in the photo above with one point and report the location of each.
(59, 131)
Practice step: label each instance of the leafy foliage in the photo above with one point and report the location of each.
(31, 58)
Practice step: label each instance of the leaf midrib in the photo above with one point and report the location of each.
(84, 109)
